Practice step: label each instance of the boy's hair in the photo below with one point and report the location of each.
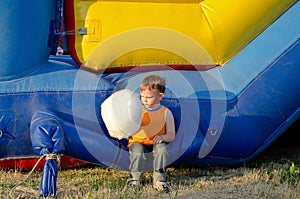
(153, 82)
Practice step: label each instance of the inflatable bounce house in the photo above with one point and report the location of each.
(232, 69)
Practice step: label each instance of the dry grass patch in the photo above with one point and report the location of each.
(260, 179)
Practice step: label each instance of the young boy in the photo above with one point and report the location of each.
(157, 129)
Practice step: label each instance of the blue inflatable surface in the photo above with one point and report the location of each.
(224, 116)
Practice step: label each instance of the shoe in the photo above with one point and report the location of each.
(133, 184)
(161, 186)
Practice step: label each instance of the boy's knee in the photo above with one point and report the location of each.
(160, 148)
(136, 147)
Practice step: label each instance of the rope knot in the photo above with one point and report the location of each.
(52, 156)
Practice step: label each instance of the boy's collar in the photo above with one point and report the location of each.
(155, 108)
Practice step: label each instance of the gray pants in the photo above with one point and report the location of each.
(140, 153)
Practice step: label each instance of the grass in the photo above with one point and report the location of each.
(263, 178)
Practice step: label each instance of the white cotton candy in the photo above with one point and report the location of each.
(122, 113)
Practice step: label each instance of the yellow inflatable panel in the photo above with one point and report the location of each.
(124, 33)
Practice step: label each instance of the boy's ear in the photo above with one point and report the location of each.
(161, 95)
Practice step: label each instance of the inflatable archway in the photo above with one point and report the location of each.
(232, 70)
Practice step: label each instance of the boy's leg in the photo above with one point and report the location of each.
(137, 159)
(160, 155)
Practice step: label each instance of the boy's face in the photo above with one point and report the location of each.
(151, 97)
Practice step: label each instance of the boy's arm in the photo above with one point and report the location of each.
(170, 127)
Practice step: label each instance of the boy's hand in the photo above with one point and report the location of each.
(158, 139)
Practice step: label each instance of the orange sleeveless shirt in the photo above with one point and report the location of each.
(153, 123)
